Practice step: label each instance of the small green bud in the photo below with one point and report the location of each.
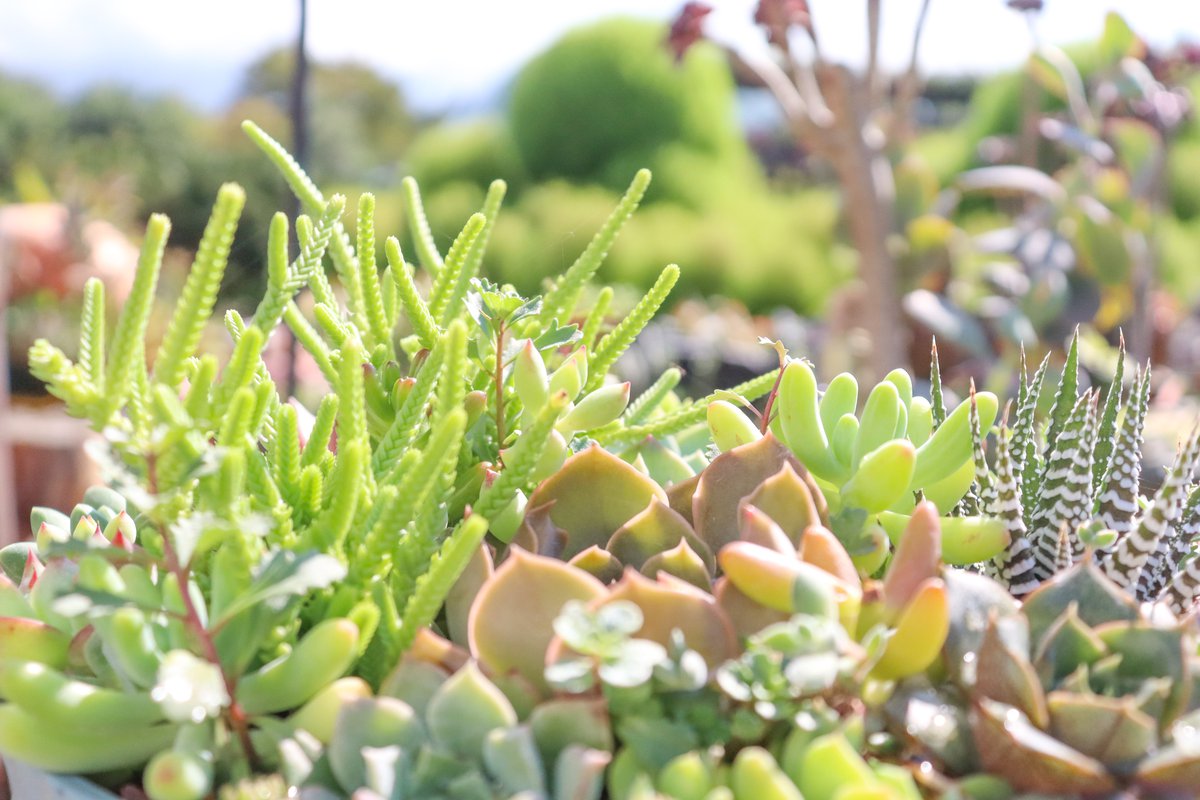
(529, 378)
(596, 409)
(571, 375)
(172, 775)
(730, 427)
(124, 525)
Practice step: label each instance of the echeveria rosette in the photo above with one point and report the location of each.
(1078, 692)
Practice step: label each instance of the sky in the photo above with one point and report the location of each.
(454, 56)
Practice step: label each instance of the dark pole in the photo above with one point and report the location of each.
(299, 115)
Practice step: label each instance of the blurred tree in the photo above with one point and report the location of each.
(607, 99)
(359, 121)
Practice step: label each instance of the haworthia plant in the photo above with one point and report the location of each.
(1087, 481)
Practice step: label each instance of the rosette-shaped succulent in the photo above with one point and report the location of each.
(1078, 693)
(440, 732)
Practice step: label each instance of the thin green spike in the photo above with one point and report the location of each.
(52, 367)
(560, 301)
(139, 392)
(415, 309)
(241, 368)
(235, 423)
(427, 251)
(408, 422)
(473, 260)
(278, 267)
(285, 455)
(130, 330)
(416, 493)
(300, 183)
(377, 319)
(264, 494)
(1106, 436)
(286, 281)
(455, 269)
(618, 340)
(434, 585)
(308, 338)
(309, 491)
(986, 485)
(310, 239)
(231, 481)
(936, 402)
(328, 531)
(352, 416)
(646, 403)
(596, 317)
(1066, 488)
(1025, 440)
(616, 437)
(266, 400)
(452, 383)
(317, 445)
(391, 305)
(334, 328)
(91, 335)
(199, 295)
(1017, 567)
(310, 198)
(199, 396)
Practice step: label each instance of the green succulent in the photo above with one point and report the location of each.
(256, 550)
(873, 466)
(433, 734)
(1076, 692)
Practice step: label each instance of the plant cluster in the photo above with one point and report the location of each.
(252, 545)
(481, 569)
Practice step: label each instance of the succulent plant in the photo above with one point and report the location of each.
(873, 467)
(1076, 692)
(438, 732)
(245, 531)
(1080, 489)
(114, 657)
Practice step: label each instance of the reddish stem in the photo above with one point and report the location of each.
(499, 382)
(235, 716)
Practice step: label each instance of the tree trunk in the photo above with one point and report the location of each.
(869, 194)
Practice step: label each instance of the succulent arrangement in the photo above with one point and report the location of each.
(479, 568)
(245, 536)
